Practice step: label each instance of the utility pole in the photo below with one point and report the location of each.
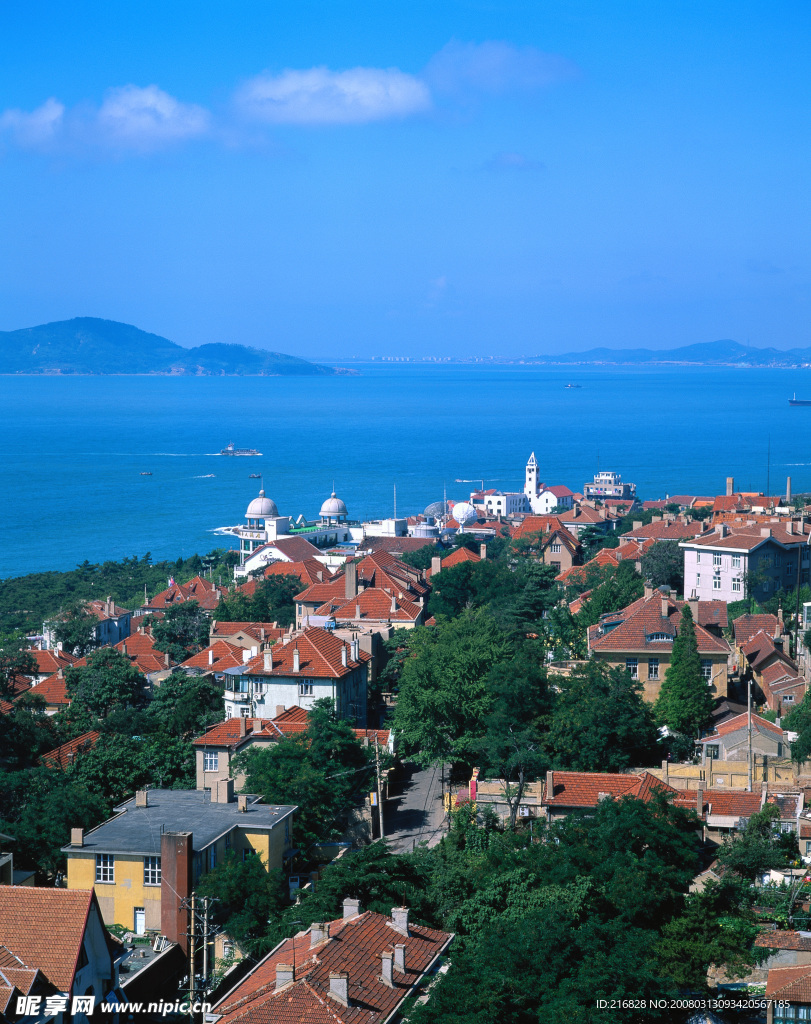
(192, 950)
(749, 732)
(205, 943)
(379, 790)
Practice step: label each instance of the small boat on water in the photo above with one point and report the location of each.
(230, 449)
(799, 401)
(574, 385)
(254, 476)
(146, 473)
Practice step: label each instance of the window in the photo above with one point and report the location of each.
(789, 567)
(305, 689)
(556, 566)
(105, 867)
(227, 842)
(736, 586)
(716, 560)
(659, 636)
(152, 871)
(632, 665)
(212, 857)
(698, 579)
(789, 698)
(653, 668)
(244, 712)
(211, 762)
(716, 583)
(713, 751)
(555, 548)
(706, 668)
(736, 561)
(698, 556)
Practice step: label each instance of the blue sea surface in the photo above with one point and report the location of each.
(74, 448)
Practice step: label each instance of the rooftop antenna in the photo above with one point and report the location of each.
(444, 498)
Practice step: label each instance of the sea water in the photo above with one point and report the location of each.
(75, 448)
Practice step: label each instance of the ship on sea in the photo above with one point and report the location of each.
(799, 401)
(231, 450)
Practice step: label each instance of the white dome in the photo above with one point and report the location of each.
(262, 508)
(332, 507)
(463, 512)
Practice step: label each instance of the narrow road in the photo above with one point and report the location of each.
(416, 815)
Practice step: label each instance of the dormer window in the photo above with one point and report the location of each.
(659, 636)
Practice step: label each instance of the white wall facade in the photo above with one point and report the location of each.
(260, 696)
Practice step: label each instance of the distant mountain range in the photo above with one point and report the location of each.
(90, 345)
(707, 353)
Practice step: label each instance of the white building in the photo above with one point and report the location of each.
(540, 498)
(608, 485)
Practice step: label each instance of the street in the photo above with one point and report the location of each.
(415, 815)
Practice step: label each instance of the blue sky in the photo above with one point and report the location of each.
(447, 178)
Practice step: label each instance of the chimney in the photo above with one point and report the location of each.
(319, 932)
(436, 565)
(637, 524)
(722, 529)
(730, 486)
(765, 531)
(284, 975)
(550, 785)
(211, 657)
(343, 655)
(693, 602)
(351, 907)
(400, 958)
(254, 652)
(665, 607)
(246, 656)
(296, 660)
(483, 551)
(224, 791)
(77, 837)
(262, 633)
(700, 798)
(386, 975)
(788, 490)
(124, 647)
(393, 605)
(177, 858)
(166, 659)
(355, 649)
(399, 920)
(648, 589)
(242, 803)
(142, 798)
(350, 581)
(357, 609)
(339, 987)
(268, 661)
(242, 727)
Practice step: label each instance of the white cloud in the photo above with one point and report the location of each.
(320, 96)
(143, 118)
(37, 128)
(495, 67)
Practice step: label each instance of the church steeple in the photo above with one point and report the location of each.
(531, 484)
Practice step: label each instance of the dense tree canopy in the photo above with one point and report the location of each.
(663, 565)
(182, 632)
(685, 701)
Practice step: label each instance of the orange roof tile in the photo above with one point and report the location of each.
(747, 626)
(644, 619)
(216, 657)
(372, 604)
(45, 928)
(66, 754)
(789, 984)
(584, 789)
(52, 690)
(319, 653)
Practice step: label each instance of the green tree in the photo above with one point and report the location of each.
(271, 601)
(685, 702)
(76, 631)
(247, 898)
(17, 663)
(182, 632)
(600, 722)
(108, 681)
(443, 698)
(663, 565)
(760, 846)
(185, 705)
(612, 589)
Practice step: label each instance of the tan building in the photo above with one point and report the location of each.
(640, 639)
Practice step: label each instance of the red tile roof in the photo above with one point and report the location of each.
(319, 656)
(747, 537)
(203, 591)
(373, 605)
(216, 657)
(53, 691)
(460, 555)
(258, 631)
(779, 939)
(353, 946)
(45, 928)
(741, 722)
(66, 754)
(320, 592)
(734, 805)
(310, 570)
(584, 789)
(140, 649)
(789, 984)
(746, 626)
(52, 661)
(644, 619)
(667, 531)
(396, 545)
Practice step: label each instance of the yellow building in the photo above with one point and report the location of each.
(147, 859)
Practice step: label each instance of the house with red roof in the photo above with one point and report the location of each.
(640, 639)
(64, 755)
(53, 691)
(203, 591)
(298, 671)
(246, 634)
(53, 943)
(140, 648)
(718, 562)
(359, 969)
(49, 661)
(729, 741)
(112, 623)
(788, 994)
(565, 792)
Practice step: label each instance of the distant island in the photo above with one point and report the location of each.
(710, 353)
(89, 345)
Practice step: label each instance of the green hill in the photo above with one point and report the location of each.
(91, 345)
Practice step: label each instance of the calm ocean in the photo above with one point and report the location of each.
(75, 447)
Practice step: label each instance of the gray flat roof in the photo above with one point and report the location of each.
(138, 829)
